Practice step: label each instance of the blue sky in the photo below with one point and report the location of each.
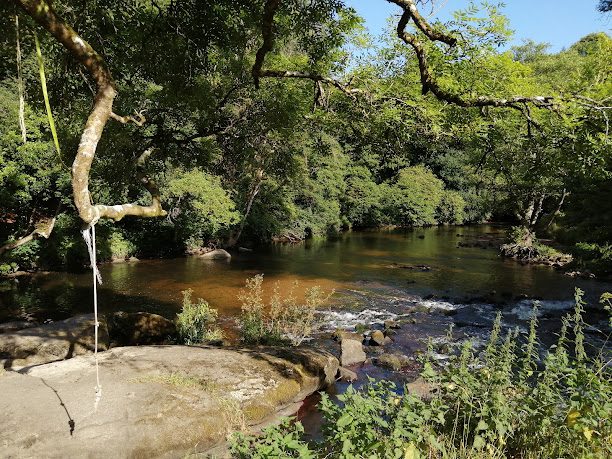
(558, 22)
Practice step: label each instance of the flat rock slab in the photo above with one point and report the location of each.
(157, 401)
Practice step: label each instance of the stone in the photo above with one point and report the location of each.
(420, 388)
(50, 342)
(157, 401)
(244, 249)
(352, 352)
(344, 374)
(377, 338)
(393, 362)
(10, 327)
(138, 328)
(217, 254)
(392, 325)
(340, 335)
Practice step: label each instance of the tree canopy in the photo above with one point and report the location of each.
(249, 121)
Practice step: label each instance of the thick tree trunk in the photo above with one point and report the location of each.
(42, 12)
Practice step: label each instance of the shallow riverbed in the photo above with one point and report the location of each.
(400, 264)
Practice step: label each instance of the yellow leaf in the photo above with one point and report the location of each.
(411, 452)
(588, 433)
(572, 417)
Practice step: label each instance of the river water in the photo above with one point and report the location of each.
(366, 269)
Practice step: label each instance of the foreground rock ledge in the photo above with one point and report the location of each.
(157, 401)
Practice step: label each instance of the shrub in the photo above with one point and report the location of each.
(503, 402)
(197, 322)
(119, 246)
(596, 257)
(523, 245)
(451, 208)
(414, 197)
(283, 319)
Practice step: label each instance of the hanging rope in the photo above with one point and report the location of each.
(89, 235)
(20, 85)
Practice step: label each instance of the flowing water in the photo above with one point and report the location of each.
(367, 270)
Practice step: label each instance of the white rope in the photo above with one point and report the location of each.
(89, 234)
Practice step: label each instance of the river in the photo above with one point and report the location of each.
(424, 263)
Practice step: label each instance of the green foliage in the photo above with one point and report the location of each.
(499, 403)
(274, 161)
(594, 257)
(414, 197)
(284, 319)
(451, 208)
(202, 208)
(197, 322)
(281, 441)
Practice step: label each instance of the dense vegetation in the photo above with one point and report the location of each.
(506, 401)
(353, 141)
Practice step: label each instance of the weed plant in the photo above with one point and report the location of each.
(505, 402)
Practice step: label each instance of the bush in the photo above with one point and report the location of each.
(451, 208)
(596, 257)
(500, 403)
(284, 319)
(414, 198)
(197, 322)
(523, 245)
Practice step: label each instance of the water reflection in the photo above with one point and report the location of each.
(354, 260)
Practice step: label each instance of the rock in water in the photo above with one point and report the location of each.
(344, 374)
(377, 338)
(157, 401)
(393, 362)
(55, 341)
(352, 352)
(217, 254)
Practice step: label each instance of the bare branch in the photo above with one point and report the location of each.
(43, 228)
(139, 120)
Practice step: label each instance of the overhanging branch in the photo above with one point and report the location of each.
(42, 12)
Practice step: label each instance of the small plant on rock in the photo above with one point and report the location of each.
(197, 322)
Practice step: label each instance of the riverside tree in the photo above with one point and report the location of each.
(271, 106)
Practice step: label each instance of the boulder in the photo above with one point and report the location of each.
(54, 341)
(391, 324)
(138, 328)
(393, 362)
(340, 335)
(420, 388)
(217, 254)
(377, 338)
(352, 352)
(157, 401)
(344, 374)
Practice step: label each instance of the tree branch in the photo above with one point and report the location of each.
(428, 81)
(43, 228)
(139, 120)
(42, 12)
